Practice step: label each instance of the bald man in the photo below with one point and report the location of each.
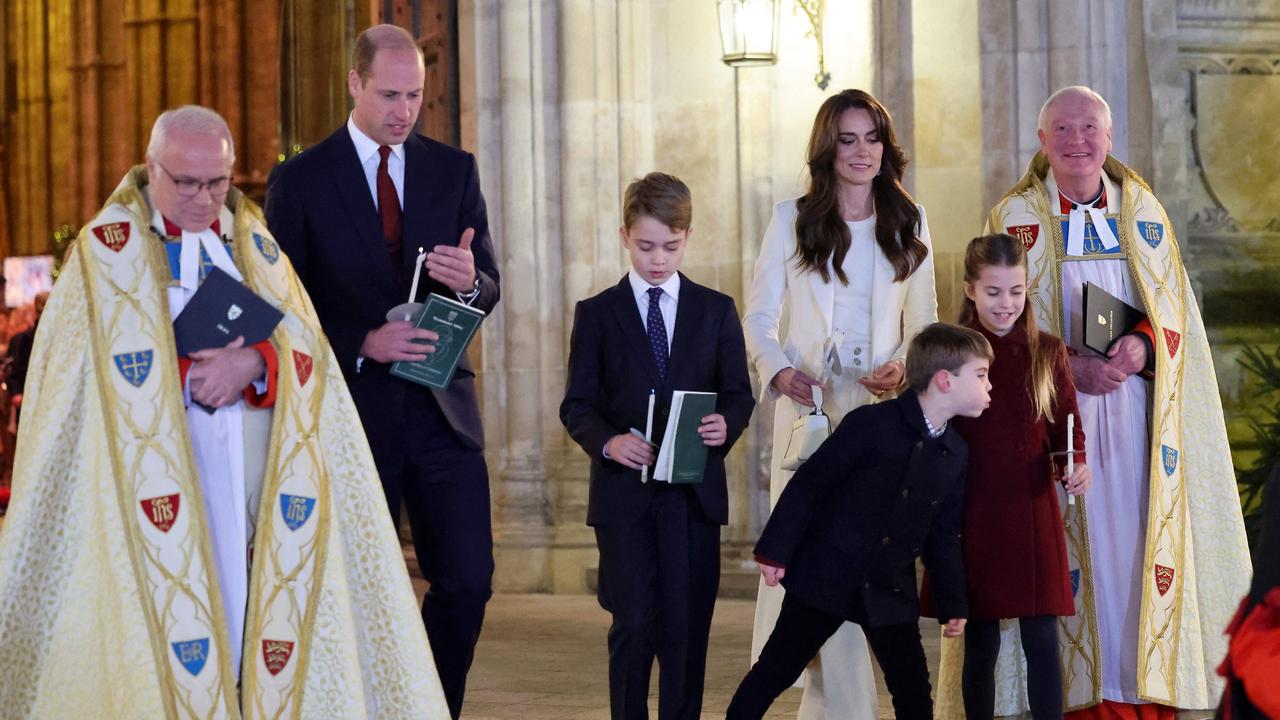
(203, 535)
(1157, 551)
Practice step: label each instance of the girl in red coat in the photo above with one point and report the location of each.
(1015, 551)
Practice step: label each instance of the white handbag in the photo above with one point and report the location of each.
(807, 433)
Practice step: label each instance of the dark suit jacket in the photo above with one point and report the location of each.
(854, 518)
(321, 212)
(611, 370)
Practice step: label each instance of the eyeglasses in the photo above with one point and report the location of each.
(190, 187)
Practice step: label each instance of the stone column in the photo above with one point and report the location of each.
(590, 152)
(518, 132)
(1030, 48)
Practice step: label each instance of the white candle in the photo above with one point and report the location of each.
(417, 270)
(1071, 452)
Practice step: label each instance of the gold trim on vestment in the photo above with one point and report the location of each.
(150, 262)
(1157, 643)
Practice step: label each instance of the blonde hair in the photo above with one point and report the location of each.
(1001, 250)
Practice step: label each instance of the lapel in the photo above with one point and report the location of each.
(881, 289)
(684, 336)
(353, 188)
(417, 185)
(824, 299)
(627, 314)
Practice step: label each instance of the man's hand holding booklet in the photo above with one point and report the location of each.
(1106, 318)
(222, 310)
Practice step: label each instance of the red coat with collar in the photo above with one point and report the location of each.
(1015, 551)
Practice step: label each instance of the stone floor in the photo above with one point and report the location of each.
(544, 656)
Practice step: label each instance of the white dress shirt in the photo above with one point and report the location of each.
(666, 304)
(367, 152)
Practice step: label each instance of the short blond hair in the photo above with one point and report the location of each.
(663, 197)
(943, 346)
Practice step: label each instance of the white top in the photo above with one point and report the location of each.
(852, 302)
(367, 152)
(666, 305)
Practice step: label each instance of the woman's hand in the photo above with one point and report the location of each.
(795, 385)
(885, 378)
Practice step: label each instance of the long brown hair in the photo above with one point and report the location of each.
(821, 233)
(1001, 250)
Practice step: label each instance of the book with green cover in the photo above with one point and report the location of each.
(683, 457)
(456, 324)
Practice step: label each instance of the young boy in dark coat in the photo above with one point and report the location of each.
(655, 332)
(884, 489)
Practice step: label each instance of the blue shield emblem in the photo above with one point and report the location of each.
(1075, 582)
(1092, 242)
(267, 247)
(1152, 232)
(1170, 457)
(296, 509)
(134, 366)
(192, 654)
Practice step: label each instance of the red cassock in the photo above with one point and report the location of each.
(1015, 553)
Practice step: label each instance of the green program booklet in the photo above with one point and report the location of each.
(683, 457)
(455, 323)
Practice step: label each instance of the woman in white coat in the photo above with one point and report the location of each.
(850, 257)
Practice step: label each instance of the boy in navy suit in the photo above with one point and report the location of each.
(884, 489)
(655, 332)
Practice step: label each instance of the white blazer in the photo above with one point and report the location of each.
(899, 310)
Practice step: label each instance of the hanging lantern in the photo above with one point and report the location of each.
(748, 32)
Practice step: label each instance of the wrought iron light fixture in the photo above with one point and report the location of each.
(749, 33)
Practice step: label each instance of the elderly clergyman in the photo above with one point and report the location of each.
(163, 559)
(1157, 551)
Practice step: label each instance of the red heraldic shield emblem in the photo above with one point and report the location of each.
(113, 235)
(1164, 579)
(1028, 234)
(162, 510)
(276, 654)
(302, 363)
(1171, 339)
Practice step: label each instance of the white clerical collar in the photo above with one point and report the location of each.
(366, 147)
(1076, 216)
(640, 287)
(189, 255)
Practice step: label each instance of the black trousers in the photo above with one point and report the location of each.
(444, 489)
(1044, 667)
(658, 578)
(799, 634)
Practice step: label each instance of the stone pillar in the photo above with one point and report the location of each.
(523, 342)
(590, 152)
(1029, 49)
(893, 73)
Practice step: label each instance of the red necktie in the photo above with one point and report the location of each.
(389, 207)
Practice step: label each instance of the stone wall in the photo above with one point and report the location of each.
(566, 102)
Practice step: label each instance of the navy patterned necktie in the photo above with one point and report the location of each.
(657, 332)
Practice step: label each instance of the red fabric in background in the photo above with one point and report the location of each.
(1110, 710)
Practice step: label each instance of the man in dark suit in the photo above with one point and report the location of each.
(653, 333)
(351, 213)
(886, 488)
